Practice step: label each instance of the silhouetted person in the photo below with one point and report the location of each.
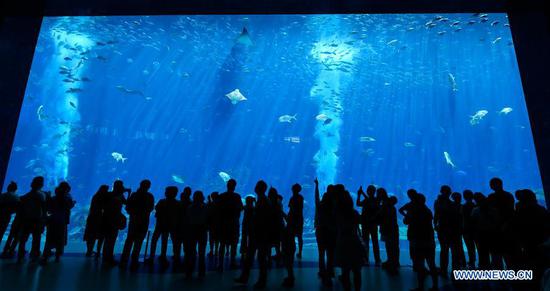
(260, 237)
(296, 217)
(33, 217)
(92, 233)
(484, 222)
(369, 226)
(325, 233)
(443, 223)
(247, 224)
(288, 249)
(113, 220)
(277, 224)
(420, 234)
(502, 244)
(213, 225)
(349, 252)
(139, 206)
(468, 227)
(403, 210)
(185, 201)
(59, 215)
(389, 229)
(197, 218)
(166, 214)
(456, 230)
(9, 202)
(230, 207)
(532, 229)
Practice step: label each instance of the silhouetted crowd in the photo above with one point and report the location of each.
(498, 230)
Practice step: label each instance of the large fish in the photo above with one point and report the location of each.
(448, 159)
(244, 38)
(235, 96)
(225, 176)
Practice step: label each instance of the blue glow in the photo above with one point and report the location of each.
(400, 101)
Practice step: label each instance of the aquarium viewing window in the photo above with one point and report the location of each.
(400, 101)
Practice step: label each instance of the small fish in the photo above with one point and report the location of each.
(329, 120)
(505, 110)
(366, 139)
(178, 179)
(497, 40)
(392, 42)
(321, 117)
(478, 116)
(448, 159)
(495, 23)
(73, 90)
(409, 145)
(287, 118)
(72, 104)
(452, 81)
(67, 59)
(18, 149)
(40, 113)
(225, 176)
(292, 139)
(118, 157)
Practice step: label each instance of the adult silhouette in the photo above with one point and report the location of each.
(325, 232)
(443, 223)
(92, 232)
(456, 229)
(502, 244)
(260, 237)
(369, 226)
(33, 217)
(296, 217)
(166, 214)
(484, 221)
(277, 224)
(197, 218)
(404, 210)
(247, 224)
(139, 206)
(420, 234)
(389, 229)
(230, 207)
(113, 220)
(349, 252)
(182, 231)
(59, 214)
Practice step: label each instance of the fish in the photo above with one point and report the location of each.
(72, 104)
(287, 118)
(18, 149)
(497, 40)
(409, 144)
(73, 90)
(505, 110)
(478, 116)
(321, 117)
(367, 139)
(392, 42)
(40, 113)
(235, 96)
(130, 91)
(225, 176)
(452, 81)
(178, 179)
(448, 159)
(118, 157)
(292, 139)
(329, 120)
(495, 23)
(244, 38)
(67, 59)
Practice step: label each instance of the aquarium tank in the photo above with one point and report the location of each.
(396, 100)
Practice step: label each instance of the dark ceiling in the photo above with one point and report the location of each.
(113, 7)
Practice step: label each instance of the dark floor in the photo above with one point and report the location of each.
(76, 272)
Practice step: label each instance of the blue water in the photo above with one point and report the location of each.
(383, 99)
